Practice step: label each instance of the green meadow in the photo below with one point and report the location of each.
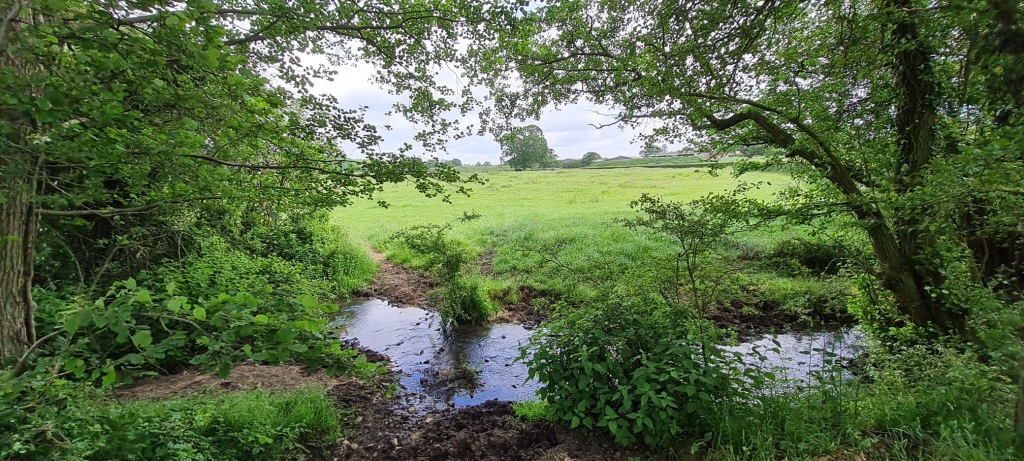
(557, 231)
(565, 200)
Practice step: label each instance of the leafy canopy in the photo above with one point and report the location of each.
(526, 147)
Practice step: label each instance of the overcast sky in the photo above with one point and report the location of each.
(568, 131)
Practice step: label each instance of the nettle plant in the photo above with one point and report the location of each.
(133, 331)
(631, 366)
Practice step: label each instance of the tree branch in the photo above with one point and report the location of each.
(249, 166)
(119, 211)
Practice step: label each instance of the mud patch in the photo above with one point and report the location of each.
(749, 323)
(524, 311)
(487, 263)
(398, 285)
(488, 431)
(243, 378)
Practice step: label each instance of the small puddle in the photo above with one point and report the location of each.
(471, 364)
(465, 366)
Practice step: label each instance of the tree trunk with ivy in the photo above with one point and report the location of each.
(18, 216)
(18, 227)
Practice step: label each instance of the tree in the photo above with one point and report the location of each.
(650, 149)
(590, 157)
(525, 148)
(898, 112)
(116, 109)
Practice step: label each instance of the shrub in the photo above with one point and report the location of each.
(814, 256)
(822, 300)
(460, 298)
(255, 425)
(134, 330)
(633, 367)
(300, 255)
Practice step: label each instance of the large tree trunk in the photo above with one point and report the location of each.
(19, 219)
(18, 227)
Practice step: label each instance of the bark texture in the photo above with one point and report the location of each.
(18, 224)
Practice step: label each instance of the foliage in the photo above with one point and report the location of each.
(460, 297)
(589, 158)
(134, 330)
(650, 149)
(117, 111)
(251, 425)
(532, 410)
(906, 119)
(525, 148)
(631, 366)
(697, 228)
(294, 254)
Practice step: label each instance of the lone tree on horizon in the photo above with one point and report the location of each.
(524, 148)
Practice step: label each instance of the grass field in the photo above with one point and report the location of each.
(552, 199)
(529, 219)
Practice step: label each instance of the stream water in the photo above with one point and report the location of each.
(471, 364)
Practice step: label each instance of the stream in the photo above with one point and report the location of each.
(474, 363)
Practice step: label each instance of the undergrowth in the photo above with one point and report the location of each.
(253, 425)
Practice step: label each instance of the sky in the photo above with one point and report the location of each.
(568, 130)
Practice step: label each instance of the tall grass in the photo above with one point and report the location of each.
(254, 425)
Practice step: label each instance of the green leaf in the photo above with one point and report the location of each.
(172, 20)
(309, 302)
(261, 319)
(199, 312)
(142, 339)
(109, 377)
(143, 295)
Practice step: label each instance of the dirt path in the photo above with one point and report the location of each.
(398, 285)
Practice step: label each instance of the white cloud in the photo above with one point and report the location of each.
(569, 131)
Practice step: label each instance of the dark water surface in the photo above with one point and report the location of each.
(426, 355)
(429, 358)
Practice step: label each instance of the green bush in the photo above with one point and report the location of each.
(463, 300)
(460, 298)
(632, 367)
(942, 397)
(133, 330)
(76, 424)
(820, 300)
(814, 255)
(299, 255)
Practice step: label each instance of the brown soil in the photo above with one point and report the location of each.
(398, 285)
(487, 263)
(522, 312)
(243, 377)
(750, 323)
(484, 432)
